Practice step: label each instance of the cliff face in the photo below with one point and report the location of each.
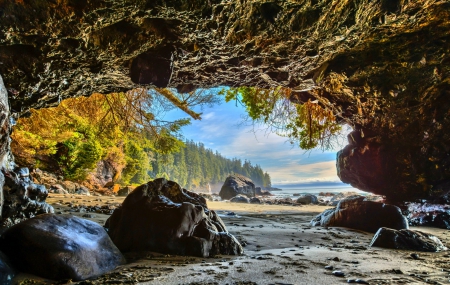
(382, 66)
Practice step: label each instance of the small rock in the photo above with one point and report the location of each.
(414, 256)
(329, 267)
(338, 273)
(240, 199)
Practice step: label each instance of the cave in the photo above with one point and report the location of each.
(381, 66)
(385, 74)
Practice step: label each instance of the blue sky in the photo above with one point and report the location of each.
(223, 128)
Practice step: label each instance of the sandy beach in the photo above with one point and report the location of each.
(280, 248)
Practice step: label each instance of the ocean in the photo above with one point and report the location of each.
(311, 188)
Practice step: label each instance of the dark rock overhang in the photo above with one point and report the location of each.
(382, 66)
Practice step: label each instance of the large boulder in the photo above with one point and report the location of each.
(356, 213)
(60, 247)
(307, 199)
(407, 239)
(161, 216)
(237, 184)
(429, 214)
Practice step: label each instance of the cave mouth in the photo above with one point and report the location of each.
(221, 121)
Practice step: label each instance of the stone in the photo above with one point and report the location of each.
(237, 184)
(180, 37)
(70, 186)
(125, 191)
(23, 199)
(82, 190)
(109, 184)
(306, 199)
(60, 247)
(407, 240)
(161, 216)
(58, 189)
(356, 213)
(103, 174)
(240, 199)
(255, 200)
(429, 214)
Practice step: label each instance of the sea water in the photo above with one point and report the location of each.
(290, 191)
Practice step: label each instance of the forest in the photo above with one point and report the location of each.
(195, 166)
(124, 129)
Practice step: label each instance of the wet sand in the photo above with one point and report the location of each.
(281, 248)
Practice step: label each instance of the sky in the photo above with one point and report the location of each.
(224, 129)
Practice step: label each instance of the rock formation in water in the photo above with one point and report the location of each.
(235, 185)
(382, 66)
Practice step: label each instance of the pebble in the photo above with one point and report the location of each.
(414, 256)
(338, 273)
(329, 267)
(358, 281)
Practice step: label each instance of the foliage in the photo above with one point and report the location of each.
(196, 166)
(310, 124)
(121, 128)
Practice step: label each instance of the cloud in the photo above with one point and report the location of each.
(222, 128)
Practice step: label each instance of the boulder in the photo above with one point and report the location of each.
(255, 200)
(58, 189)
(60, 247)
(406, 239)
(161, 216)
(82, 190)
(428, 214)
(70, 186)
(356, 213)
(23, 199)
(103, 175)
(240, 199)
(237, 184)
(125, 191)
(307, 199)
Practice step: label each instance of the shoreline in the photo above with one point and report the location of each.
(279, 248)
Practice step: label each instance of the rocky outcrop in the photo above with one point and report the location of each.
(307, 199)
(161, 216)
(429, 214)
(381, 66)
(237, 184)
(356, 213)
(104, 174)
(407, 239)
(23, 199)
(60, 247)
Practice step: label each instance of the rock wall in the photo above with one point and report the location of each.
(381, 66)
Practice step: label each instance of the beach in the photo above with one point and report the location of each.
(280, 247)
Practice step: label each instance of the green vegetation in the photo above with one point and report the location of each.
(309, 124)
(196, 166)
(70, 139)
(123, 129)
